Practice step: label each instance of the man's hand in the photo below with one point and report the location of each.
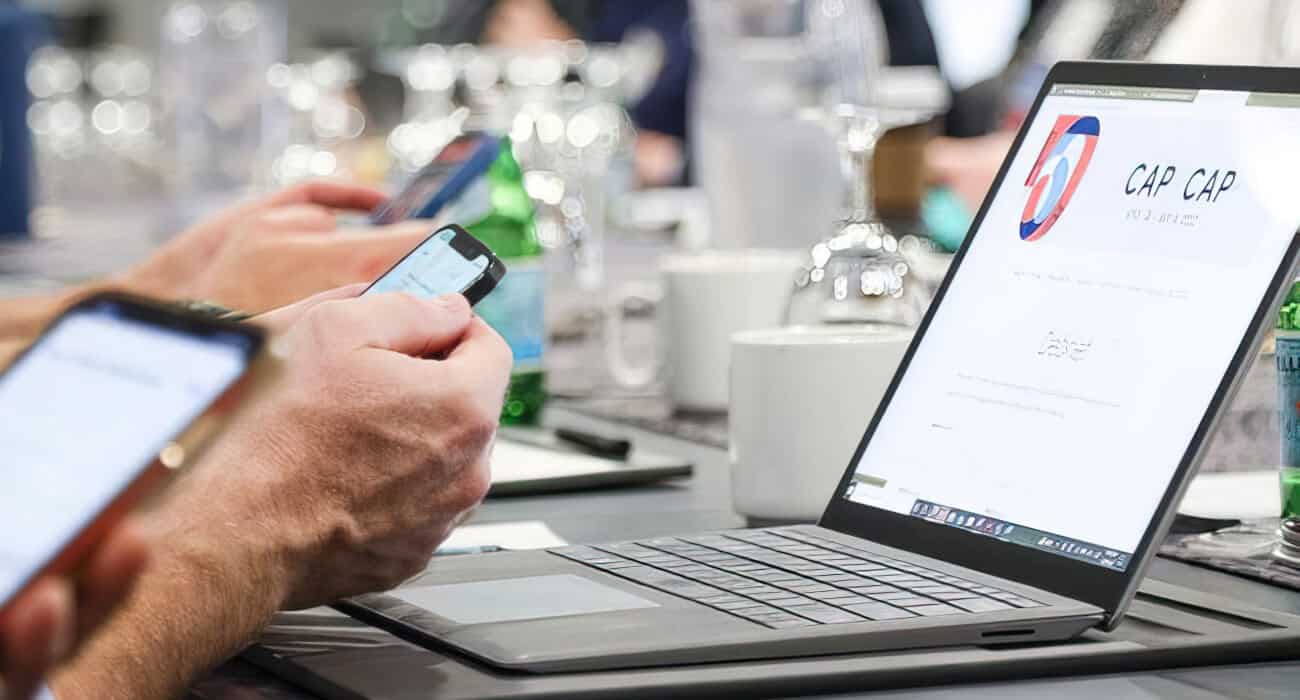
(252, 257)
(368, 453)
(276, 250)
(45, 625)
(341, 480)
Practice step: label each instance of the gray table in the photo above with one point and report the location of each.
(702, 503)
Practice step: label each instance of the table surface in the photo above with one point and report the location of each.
(702, 502)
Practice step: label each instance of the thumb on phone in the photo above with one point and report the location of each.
(280, 320)
(395, 322)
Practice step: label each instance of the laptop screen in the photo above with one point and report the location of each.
(1092, 319)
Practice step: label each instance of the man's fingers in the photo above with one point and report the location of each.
(296, 218)
(397, 322)
(280, 320)
(366, 254)
(37, 631)
(110, 575)
(482, 360)
(328, 193)
(482, 346)
(333, 195)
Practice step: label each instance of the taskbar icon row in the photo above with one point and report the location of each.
(1018, 534)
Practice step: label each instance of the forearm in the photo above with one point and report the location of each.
(22, 318)
(203, 599)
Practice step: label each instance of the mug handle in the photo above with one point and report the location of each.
(625, 373)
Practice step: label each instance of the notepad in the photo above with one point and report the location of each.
(523, 534)
(519, 468)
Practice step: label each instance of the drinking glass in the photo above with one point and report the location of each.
(860, 272)
(764, 168)
(226, 123)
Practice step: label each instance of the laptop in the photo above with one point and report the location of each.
(1030, 453)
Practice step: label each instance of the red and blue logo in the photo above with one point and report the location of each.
(1057, 173)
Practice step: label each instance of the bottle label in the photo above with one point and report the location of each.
(1288, 393)
(517, 310)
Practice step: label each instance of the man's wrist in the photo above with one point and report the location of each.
(234, 556)
(208, 593)
(25, 317)
(22, 318)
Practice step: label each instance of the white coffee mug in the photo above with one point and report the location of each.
(801, 399)
(707, 296)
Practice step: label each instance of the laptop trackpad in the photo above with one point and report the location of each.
(527, 598)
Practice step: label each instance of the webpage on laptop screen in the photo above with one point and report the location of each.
(1092, 320)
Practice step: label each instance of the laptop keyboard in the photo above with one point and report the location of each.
(784, 579)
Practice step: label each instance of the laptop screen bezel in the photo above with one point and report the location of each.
(1106, 588)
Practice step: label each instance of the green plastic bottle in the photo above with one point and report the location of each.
(516, 309)
(1288, 387)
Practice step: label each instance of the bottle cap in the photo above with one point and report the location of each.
(1288, 317)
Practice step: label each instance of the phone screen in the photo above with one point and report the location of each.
(434, 268)
(428, 182)
(85, 411)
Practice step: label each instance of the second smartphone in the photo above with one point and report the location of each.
(441, 183)
(450, 260)
(114, 396)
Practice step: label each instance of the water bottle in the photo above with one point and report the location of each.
(1288, 387)
(516, 309)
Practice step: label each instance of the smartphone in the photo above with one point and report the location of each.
(114, 396)
(440, 183)
(450, 260)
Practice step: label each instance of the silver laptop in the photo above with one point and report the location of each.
(1031, 451)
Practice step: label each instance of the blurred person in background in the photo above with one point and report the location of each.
(990, 112)
(1249, 33)
(661, 114)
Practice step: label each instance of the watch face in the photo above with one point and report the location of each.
(211, 310)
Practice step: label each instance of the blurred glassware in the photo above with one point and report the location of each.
(225, 125)
(561, 103)
(430, 119)
(765, 170)
(57, 119)
(122, 118)
(93, 118)
(325, 119)
(93, 107)
(861, 273)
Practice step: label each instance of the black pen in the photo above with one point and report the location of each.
(598, 445)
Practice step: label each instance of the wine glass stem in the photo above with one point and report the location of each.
(855, 164)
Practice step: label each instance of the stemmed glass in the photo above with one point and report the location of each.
(861, 260)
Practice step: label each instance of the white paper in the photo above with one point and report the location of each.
(525, 534)
(513, 461)
(1240, 495)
